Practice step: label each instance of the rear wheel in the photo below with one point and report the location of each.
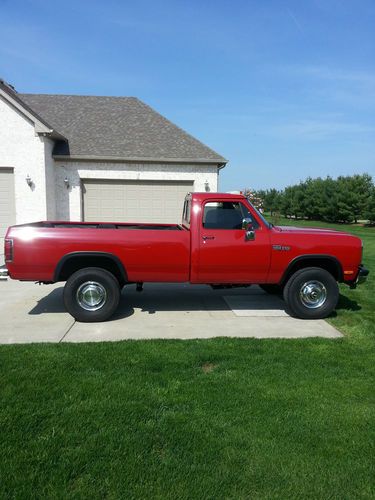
(91, 294)
(311, 293)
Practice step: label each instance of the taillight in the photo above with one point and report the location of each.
(8, 250)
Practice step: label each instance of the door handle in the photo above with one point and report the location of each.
(208, 237)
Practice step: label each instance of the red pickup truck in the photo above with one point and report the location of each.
(222, 241)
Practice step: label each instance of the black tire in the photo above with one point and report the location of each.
(91, 294)
(311, 293)
(272, 289)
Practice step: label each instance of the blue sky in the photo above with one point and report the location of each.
(282, 89)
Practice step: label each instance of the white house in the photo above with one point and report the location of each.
(95, 158)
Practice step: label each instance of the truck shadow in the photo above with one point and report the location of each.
(184, 297)
(53, 303)
(158, 297)
(171, 297)
(348, 304)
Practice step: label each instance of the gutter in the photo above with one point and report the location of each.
(139, 159)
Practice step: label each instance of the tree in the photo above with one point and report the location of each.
(345, 199)
(353, 193)
(271, 201)
(369, 212)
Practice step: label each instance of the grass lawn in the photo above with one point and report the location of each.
(222, 418)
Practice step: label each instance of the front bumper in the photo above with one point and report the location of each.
(361, 276)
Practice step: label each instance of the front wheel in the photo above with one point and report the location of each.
(311, 293)
(91, 294)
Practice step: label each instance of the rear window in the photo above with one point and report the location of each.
(186, 213)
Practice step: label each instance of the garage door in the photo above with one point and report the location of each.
(7, 204)
(134, 201)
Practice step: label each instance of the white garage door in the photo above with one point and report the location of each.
(134, 201)
(7, 204)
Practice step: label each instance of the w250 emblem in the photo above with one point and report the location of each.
(280, 248)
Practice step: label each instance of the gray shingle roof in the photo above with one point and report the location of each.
(12, 93)
(116, 127)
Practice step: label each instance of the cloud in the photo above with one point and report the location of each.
(344, 86)
(339, 75)
(296, 22)
(319, 129)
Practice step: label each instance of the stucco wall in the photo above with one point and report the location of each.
(69, 201)
(50, 173)
(24, 151)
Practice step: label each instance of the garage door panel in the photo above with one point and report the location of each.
(134, 201)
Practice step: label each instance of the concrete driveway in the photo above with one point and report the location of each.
(33, 313)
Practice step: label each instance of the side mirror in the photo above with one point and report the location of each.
(247, 225)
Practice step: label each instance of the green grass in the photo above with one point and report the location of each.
(222, 418)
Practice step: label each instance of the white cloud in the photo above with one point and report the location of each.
(318, 129)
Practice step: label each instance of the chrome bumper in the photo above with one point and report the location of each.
(361, 276)
(3, 273)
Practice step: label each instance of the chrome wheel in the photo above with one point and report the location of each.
(313, 294)
(91, 296)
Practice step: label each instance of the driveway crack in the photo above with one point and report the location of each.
(68, 330)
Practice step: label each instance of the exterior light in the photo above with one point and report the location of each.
(29, 180)
(67, 183)
(207, 186)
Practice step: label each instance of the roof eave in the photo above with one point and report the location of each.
(40, 126)
(221, 162)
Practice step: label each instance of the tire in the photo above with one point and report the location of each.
(91, 294)
(272, 289)
(311, 293)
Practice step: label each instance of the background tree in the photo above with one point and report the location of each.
(345, 199)
(271, 201)
(369, 213)
(352, 197)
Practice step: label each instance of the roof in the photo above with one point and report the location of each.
(117, 128)
(8, 91)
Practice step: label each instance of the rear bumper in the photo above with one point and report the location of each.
(3, 272)
(361, 276)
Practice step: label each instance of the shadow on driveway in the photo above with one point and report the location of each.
(53, 303)
(182, 297)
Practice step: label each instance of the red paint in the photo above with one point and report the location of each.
(180, 255)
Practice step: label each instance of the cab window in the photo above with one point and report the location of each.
(226, 215)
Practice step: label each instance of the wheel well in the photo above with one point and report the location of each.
(330, 264)
(72, 263)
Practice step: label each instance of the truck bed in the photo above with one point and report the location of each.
(104, 225)
(148, 252)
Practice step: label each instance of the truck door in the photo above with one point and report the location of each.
(225, 254)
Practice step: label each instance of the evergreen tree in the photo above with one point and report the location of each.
(369, 212)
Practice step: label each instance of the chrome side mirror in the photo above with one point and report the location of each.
(247, 225)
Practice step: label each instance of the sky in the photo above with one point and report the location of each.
(283, 89)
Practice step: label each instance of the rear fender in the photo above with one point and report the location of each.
(74, 261)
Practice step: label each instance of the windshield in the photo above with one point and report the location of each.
(261, 217)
